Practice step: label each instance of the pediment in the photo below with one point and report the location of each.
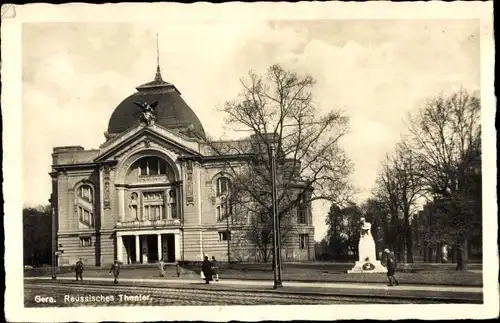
(151, 136)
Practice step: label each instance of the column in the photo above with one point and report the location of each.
(177, 246)
(119, 248)
(137, 249)
(121, 204)
(159, 247)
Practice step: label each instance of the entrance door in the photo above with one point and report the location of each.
(129, 242)
(152, 241)
(170, 239)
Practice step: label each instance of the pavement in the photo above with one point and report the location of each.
(263, 284)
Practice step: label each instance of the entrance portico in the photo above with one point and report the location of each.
(148, 246)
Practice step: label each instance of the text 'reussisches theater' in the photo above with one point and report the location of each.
(150, 191)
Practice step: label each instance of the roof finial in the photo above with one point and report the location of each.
(158, 73)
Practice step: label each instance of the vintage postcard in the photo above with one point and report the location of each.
(321, 161)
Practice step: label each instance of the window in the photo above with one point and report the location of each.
(153, 212)
(85, 241)
(173, 203)
(302, 211)
(304, 241)
(224, 207)
(84, 206)
(225, 235)
(85, 193)
(223, 186)
(152, 166)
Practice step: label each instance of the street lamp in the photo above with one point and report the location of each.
(276, 226)
(54, 239)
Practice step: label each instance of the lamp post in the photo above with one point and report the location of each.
(54, 241)
(276, 224)
(228, 233)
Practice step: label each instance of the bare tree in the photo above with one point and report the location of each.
(410, 187)
(277, 110)
(387, 193)
(445, 138)
(399, 186)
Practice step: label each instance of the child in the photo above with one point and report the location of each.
(391, 267)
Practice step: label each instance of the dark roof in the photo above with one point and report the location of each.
(171, 112)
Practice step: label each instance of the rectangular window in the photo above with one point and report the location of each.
(154, 167)
(144, 168)
(219, 218)
(85, 241)
(302, 214)
(174, 210)
(225, 235)
(303, 241)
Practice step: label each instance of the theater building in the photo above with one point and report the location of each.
(150, 190)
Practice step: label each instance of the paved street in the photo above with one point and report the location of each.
(67, 293)
(194, 292)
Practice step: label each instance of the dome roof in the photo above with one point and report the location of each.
(171, 111)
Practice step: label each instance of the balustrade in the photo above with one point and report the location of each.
(148, 223)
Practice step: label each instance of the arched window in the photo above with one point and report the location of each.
(152, 166)
(85, 206)
(86, 193)
(223, 186)
(224, 207)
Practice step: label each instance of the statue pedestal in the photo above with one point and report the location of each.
(367, 267)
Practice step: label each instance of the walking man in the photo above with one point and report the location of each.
(115, 268)
(215, 268)
(79, 269)
(391, 267)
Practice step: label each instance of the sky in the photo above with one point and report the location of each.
(377, 71)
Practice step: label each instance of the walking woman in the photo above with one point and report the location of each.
(161, 264)
(206, 268)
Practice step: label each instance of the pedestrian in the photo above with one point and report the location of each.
(206, 269)
(79, 269)
(161, 264)
(391, 267)
(215, 268)
(115, 268)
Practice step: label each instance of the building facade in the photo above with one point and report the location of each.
(150, 191)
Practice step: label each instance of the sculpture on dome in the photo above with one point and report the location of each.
(147, 115)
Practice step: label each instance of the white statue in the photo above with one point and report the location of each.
(367, 262)
(366, 247)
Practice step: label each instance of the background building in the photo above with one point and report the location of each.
(153, 190)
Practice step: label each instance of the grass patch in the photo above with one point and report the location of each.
(434, 275)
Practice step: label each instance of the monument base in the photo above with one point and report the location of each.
(367, 267)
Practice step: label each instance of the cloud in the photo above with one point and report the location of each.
(74, 75)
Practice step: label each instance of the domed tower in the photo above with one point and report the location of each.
(171, 111)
